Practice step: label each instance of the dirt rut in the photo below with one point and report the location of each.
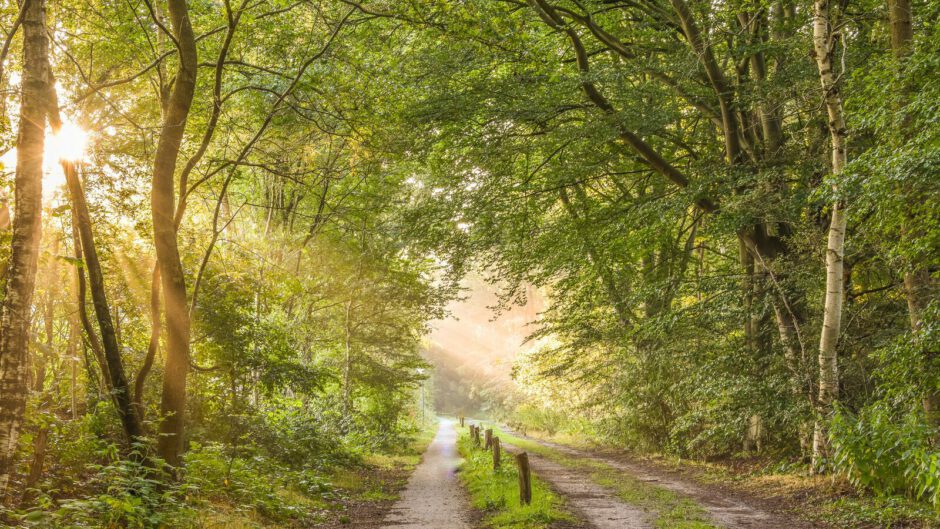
(594, 504)
(724, 510)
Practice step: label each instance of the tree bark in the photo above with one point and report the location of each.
(347, 368)
(824, 40)
(114, 364)
(716, 79)
(27, 233)
(162, 203)
(153, 345)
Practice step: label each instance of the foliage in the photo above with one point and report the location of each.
(496, 492)
(880, 451)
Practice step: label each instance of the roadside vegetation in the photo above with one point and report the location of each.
(496, 492)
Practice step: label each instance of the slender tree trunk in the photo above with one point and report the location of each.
(347, 367)
(716, 79)
(162, 203)
(824, 42)
(27, 232)
(114, 364)
(72, 353)
(153, 345)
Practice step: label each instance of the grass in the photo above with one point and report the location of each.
(671, 510)
(496, 492)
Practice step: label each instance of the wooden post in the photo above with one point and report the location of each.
(461, 421)
(476, 434)
(496, 453)
(488, 438)
(525, 478)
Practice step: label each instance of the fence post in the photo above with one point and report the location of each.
(488, 438)
(461, 421)
(496, 453)
(525, 478)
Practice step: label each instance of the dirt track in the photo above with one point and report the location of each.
(594, 504)
(725, 510)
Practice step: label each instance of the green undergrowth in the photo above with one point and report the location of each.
(671, 510)
(221, 489)
(370, 481)
(496, 492)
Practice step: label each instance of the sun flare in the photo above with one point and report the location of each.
(67, 145)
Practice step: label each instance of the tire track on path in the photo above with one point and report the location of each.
(724, 509)
(593, 503)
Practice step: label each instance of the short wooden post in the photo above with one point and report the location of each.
(461, 421)
(476, 435)
(525, 478)
(496, 453)
(488, 438)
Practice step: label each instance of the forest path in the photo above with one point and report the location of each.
(593, 503)
(433, 498)
(723, 508)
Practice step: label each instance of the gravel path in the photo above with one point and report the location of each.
(594, 504)
(433, 498)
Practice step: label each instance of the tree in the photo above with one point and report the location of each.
(163, 208)
(27, 232)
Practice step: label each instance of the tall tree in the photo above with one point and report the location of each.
(114, 364)
(15, 310)
(825, 40)
(163, 204)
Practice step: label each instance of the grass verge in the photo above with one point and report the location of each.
(496, 492)
(670, 509)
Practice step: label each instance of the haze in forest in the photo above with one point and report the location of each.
(474, 348)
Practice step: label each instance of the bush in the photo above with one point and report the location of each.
(887, 454)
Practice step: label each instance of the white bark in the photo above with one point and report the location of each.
(824, 40)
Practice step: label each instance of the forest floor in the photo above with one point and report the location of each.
(372, 490)
(619, 492)
(601, 488)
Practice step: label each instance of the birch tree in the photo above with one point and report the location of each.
(826, 37)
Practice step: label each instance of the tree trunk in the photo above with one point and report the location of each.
(824, 40)
(153, 345)
(27, 232)
(163, 203)
(347, 369)
(114, 364)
